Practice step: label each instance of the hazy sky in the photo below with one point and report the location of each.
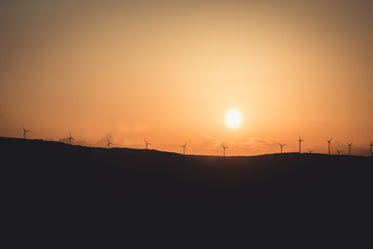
(169, 71)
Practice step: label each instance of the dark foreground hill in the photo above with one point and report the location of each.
(57, 185)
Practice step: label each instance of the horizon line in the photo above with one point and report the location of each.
(178, 153)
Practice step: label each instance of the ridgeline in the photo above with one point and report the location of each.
(63, 185)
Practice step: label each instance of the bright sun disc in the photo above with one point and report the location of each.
(233, 118)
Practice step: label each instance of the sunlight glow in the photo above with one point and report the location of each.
(233, 118)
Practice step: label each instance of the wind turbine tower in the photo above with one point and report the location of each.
(146, 144)
(25, 132)
(339, 152)
(371, 148)
(282, 145)
(329, 142)
(70, 138)
(224, 147)
(109, 143)
(184, 147)
(300, 144)
(349, 148)
(309, 150)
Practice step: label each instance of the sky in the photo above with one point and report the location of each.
(169, 71)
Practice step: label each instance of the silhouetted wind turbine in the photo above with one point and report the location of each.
(309, 150)
(300, 144)
(329, 141)
(24, 132)
(224, 147)
(146, 144)
(282, 145)
(109, 143)
(70, 138)
(339, 152)
(184, 147)
(371, 148)
(349, 148)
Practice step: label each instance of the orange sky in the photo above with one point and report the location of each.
(170, 71)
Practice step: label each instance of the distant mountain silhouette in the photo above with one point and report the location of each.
(54, 183)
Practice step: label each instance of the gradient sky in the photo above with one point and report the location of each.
(169, 71)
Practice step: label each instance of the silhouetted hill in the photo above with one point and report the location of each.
(54, 183)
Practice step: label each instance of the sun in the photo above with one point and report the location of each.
(233, 118)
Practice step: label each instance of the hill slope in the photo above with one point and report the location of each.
(56, 183)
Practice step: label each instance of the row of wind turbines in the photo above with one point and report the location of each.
(329, 141)
(300, 140)
(109, 142)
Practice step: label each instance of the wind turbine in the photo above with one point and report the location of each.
(184, 147)
(282, 145)
(309, 150)
(146, 144)
(70, 138)
(109, 143)
(349, 148)
(224, 147)
(371, 148)
(24, 132)
(339, 152)
(329, 141)
(300, 144)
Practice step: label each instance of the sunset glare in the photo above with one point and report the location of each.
(169, 71)
(233, 118)
(119, 114)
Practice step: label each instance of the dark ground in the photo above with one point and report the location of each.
(58, 185)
